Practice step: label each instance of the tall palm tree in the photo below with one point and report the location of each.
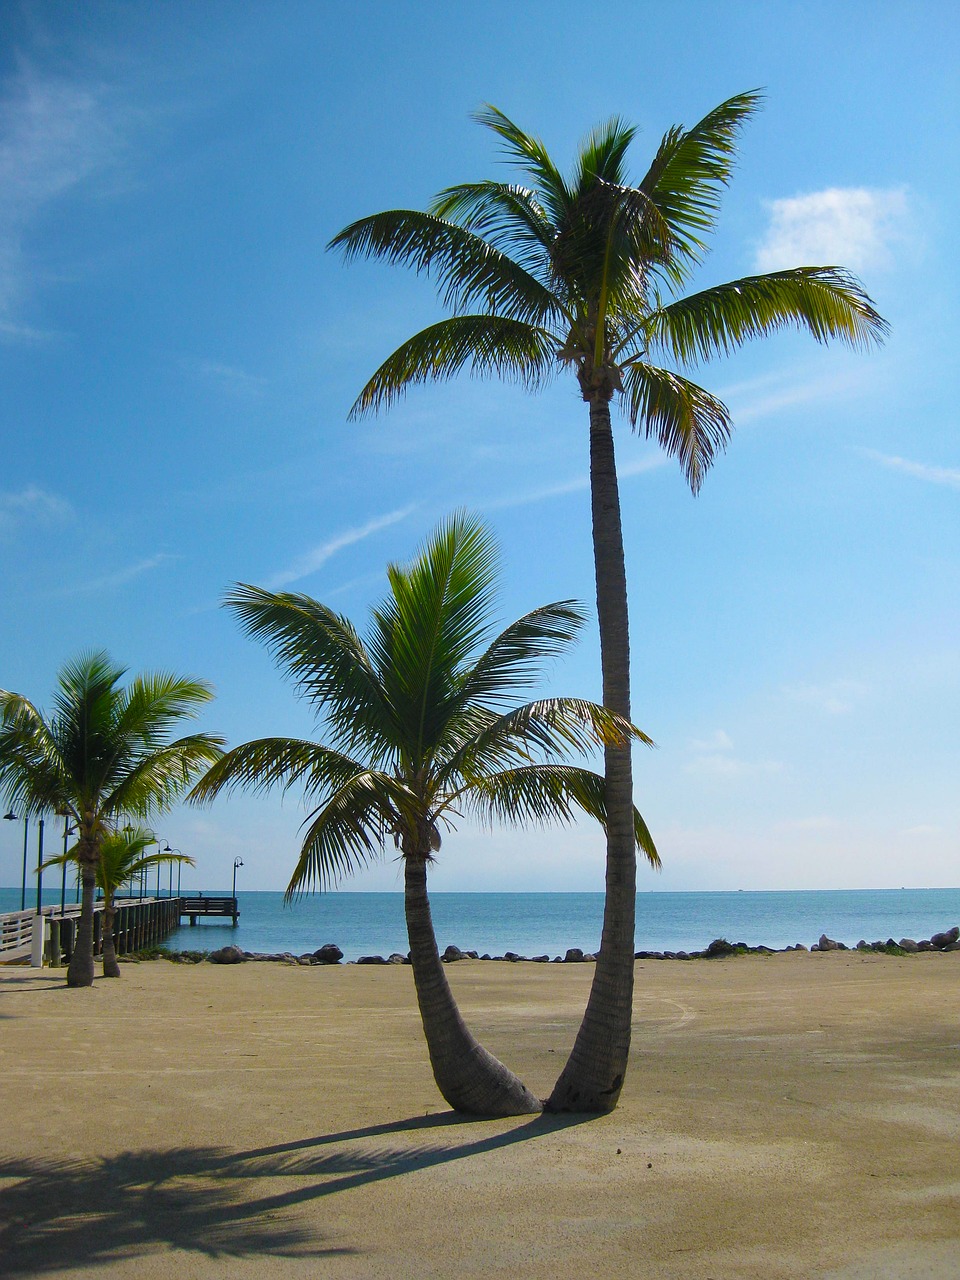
(587, 274)
(122, 857)
(422, 729)
(104, 752)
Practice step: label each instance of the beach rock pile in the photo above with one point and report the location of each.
(330, 953)
(949, 940)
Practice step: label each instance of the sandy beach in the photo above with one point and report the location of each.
(786, 1116)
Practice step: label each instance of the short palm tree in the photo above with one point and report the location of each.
(422, 729)
(586, 274)
(123, 856)
(105, 752)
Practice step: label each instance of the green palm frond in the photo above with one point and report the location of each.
(152, 703)
(437, 614)
(326, 658)
(488, 345)
(687, 422)
(154, 781)
(546, 794)
(276, 762)
(467, 268)
(602, 154)
(827, 302)
(688, 173)
(505, 215)
(348, 830)
(551, 728)
(515, 659)
(531, 155)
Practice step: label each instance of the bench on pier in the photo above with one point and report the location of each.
(199, 906)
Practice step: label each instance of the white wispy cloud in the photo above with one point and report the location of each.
(715, 757)
(318, 556)
(759, 398)
(949, 476)
(32, 505)
(577, 485)
(54, 135)
(120, 577)
(854, 227)
(835, 698)
(227, 377)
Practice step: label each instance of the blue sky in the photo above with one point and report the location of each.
(178, 355)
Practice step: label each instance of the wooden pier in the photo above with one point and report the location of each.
(200, 907)
(26, 938)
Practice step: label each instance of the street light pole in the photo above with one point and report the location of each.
(67, 831)
(12, 817)
(237, 862)
(39, 867)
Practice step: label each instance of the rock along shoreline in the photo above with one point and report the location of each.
(330, 953)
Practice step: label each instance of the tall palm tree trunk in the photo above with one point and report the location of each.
(80, 968)
(593, 1076)
(111, 968)
(470, 1079)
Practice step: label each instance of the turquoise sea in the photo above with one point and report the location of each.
(548, 923)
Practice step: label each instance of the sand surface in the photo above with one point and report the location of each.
(785, 1116)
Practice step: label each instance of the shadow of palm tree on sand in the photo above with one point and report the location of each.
(72, 1213)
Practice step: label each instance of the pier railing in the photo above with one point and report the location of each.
(50, 937)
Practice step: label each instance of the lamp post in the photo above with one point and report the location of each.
(170, 877)
(12, 817)
(39, 867)
(67, 831)
(237, 862)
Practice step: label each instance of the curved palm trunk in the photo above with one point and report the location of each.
(470, 1079)
(80, 968)
(111, 969)
(593, 1076)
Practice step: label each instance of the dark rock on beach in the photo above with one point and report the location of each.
(827, 944)
(942, 940)
(227, 955)
(574, 956)
(329, 953)
(908, 944)
(452, 953)
(371, 960)
(395, 957)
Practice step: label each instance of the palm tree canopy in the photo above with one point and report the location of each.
(105, 749)
(586, 271)
(122, 857)
(420, 717)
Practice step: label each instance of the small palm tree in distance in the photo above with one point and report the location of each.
(123, 857)
(422, 728)
(104, 752)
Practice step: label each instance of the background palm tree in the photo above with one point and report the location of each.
(586, 274)
(122, 857)
(103, 753)
(422, 729)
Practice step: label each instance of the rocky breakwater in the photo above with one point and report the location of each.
(949, 940)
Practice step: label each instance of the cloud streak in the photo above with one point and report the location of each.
(54, 136)
(120, 577)
(948, 476)
(32, 505)
(855, 227)
(578, 485)
(318, 556)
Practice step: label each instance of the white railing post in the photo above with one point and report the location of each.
(37, 940)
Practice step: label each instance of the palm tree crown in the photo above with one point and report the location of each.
(586, 272)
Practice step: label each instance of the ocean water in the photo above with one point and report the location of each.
(548, 923)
